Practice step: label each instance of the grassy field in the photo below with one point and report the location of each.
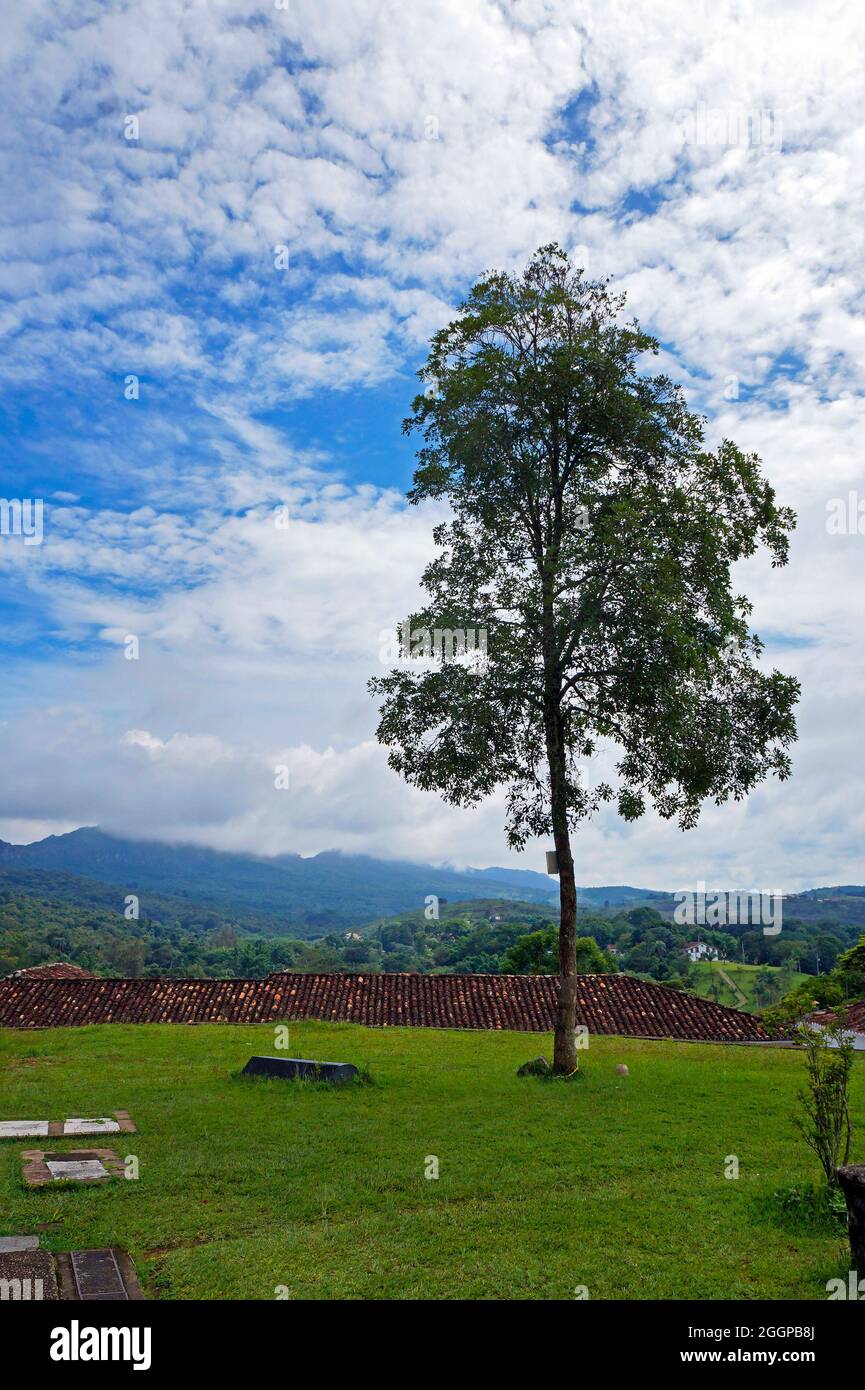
(247, 1187)
(737, 989)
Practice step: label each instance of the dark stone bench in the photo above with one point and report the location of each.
(299, 1069)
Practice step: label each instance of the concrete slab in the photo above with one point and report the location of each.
(119, 1122)
(23, 1129)
(79, 1170)
(27, 1277)
(77, 1165)
(12, 1245)
(99, 1126)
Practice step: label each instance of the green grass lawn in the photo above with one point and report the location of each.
(609, 1182)
(744, 979)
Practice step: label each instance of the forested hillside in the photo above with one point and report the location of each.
(301, 897)
(46, 916)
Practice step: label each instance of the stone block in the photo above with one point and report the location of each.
(299, 1069)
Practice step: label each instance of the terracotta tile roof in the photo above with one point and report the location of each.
(853, 1015)
(57, 970)
(613, 1004)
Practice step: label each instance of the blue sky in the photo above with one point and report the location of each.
(395, 153)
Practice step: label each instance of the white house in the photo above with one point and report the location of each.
(698, 950)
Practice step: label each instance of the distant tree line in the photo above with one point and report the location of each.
(486, 937)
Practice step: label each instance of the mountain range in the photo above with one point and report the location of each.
(309, 897)
(306, 896)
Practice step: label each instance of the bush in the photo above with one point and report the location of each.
(817, 992)
(825, 1121)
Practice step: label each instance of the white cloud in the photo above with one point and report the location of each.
(398, 152)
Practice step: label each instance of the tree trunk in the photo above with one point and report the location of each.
(564, 1044)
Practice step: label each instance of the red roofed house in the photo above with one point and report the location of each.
(852, 1016)
(619, 1005)
(57, 970)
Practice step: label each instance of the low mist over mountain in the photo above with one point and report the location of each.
(311, 896)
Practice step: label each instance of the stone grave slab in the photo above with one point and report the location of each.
(299, 1069)
(97, 1276)
(100, 1126)
(13, 1245)
(78, 1165)
(24, 1129)
(27, 1276)
(120, 1122)
(79, 1169)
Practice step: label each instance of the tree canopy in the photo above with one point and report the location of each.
(591, 540)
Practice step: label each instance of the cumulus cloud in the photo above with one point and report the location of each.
(263, 214)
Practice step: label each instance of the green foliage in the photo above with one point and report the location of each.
(35, 929)
(751, 988)
(534, 954)
(817, 992)
(53, 916)
(538, 954)
(850, 971)
(808, 1207)
(824, 1121)
(593, 536)
(766, 986)
(846, 982)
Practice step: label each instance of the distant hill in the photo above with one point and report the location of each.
(302, 897)
(311, 897)
(730, 982)
(50, 916)
(813, 905)
(615, 896)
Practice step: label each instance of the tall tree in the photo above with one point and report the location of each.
(591, 537)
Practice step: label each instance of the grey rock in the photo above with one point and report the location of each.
(539, 1066)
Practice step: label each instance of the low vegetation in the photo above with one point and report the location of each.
(823, 1118)
(751, 988)
(271, 1190)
